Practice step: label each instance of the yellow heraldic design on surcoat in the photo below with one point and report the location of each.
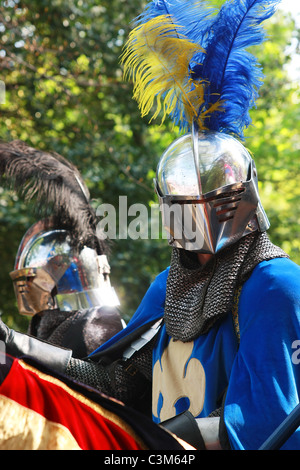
(176, 376)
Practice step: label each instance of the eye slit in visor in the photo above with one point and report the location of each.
(224, 209)
(230, 214)
(230, 196)
(22, 287)
(223, 198)
(227, 205)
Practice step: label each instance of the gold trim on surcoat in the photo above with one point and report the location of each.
(24, 429)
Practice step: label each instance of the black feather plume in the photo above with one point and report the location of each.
(56, 186)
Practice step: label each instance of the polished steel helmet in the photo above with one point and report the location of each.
(207, 187)
(50, 273)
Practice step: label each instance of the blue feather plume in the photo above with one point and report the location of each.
(228, 76)
(233, 74)
(195, 19)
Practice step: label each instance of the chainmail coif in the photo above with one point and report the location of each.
(197, 296)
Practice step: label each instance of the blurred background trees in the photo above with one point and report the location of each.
(60, 64)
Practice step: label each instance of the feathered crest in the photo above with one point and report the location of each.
(55, 185)
(160, 55)
(191, 61)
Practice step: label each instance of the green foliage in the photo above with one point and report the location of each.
(275, 140)
(65, 92)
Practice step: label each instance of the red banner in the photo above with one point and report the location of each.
(39, 410)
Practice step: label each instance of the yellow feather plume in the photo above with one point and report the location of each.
(157, 58)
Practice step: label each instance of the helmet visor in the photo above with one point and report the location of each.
(222, 161)
(74, 279)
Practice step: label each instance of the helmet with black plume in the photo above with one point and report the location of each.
(61, 266)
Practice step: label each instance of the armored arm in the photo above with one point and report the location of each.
(19, 344)
(128, 381)
(201, 433)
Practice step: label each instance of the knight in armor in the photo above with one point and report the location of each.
(209, 351)
(61, 275)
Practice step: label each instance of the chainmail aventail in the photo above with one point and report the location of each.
(197, 296)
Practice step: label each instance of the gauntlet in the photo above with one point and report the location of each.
(20, 344)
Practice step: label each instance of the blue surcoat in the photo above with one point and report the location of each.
(259, 371)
